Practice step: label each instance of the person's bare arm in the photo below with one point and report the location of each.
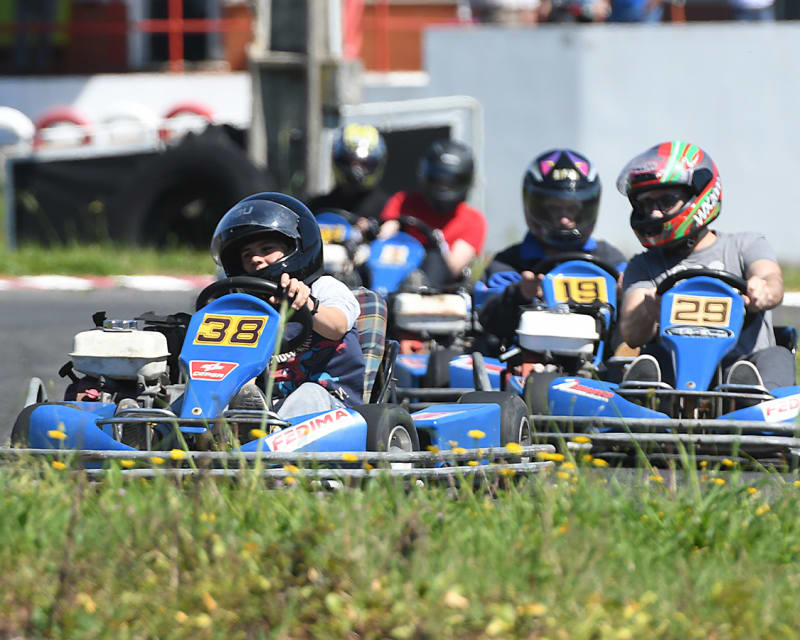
(329, 322)
(764, 285)
(639, 316)
(461, 254)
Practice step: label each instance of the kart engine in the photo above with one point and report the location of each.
(560, 332)
(431, 314)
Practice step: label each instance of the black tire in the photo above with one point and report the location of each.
(389, 428)
(536, 390)
(437, 375)
(22, 425)
(514, 423)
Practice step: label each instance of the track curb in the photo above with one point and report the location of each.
(92, 283)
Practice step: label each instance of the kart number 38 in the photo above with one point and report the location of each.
(704, 311)
(580, 290)
(230, 331)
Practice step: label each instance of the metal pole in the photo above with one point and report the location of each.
(315, 33)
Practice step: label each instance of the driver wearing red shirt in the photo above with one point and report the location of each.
(445, 176)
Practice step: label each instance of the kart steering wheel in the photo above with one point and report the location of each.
(352, 219)
(737, 282)
(545, 264)
(430, 237)
(262, 288)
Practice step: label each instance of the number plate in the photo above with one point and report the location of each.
(580, 290)
(332, 232)
(230, 331)
(702, 311)
(393, 254)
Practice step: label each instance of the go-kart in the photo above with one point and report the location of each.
(701, 318)
(129, 399)
(565, 333)
(344, 246)
(430, 315)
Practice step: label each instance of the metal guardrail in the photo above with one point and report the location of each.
(669, 425)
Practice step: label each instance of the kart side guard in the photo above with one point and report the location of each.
(784, 408)
(448, 425)
(77, 422)
(586, 397)
(335, 430)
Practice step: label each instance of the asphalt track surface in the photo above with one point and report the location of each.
(37, 329)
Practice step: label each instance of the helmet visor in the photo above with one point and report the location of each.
(561, 219)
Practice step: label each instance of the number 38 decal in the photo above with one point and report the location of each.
(230, 331)
(703, 311)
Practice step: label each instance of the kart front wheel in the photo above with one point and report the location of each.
(514, 423)
(389, 428)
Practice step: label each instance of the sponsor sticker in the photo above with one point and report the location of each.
(433, 415)
(299, 435)
(575, 387)
(210, 370)
(781, 409)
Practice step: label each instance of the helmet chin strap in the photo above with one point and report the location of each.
(686, 245)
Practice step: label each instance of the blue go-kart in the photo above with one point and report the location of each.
(701, 319)
(135, 394)
(344, 246)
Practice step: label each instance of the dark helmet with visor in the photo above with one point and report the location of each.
(559, 184)
(359, 157)
(445, 174)
(270, 213)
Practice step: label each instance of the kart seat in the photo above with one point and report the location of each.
(371, 325)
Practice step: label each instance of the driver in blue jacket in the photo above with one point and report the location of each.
(275, 237)
(561, 196)
(676, 192)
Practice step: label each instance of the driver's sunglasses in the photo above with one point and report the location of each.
(663, 203)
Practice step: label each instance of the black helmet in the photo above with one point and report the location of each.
(359, 157)
(561, 176)
(445, 174)
(264, 213)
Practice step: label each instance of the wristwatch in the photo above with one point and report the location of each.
(315, 308)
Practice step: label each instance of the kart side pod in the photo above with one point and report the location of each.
(565, 334)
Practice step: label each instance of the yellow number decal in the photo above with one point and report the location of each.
(703, 311)
(230, 331)
(391, 254)
(332, 232)
(581, 290)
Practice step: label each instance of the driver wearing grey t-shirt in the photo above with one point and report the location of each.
(676, 193)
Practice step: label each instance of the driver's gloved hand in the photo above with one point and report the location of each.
(441, 243)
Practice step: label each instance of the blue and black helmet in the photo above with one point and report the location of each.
(269, 213)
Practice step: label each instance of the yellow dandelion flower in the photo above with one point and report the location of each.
(290, 468)
(454, 600)
(459, 450)
(202, 620)
(208, 601)
(645, 517)
(536, 609)
(568, 466)
(505, 471)
(727, 462)
(367, 466)
(581, 439)
(290, 480)
(177, 454)
(86, 601)
(476, 434)
(797, 483)
(562, 529)
(157, 460)
(349, 457)
(588, 458)
(751, 490)
(764, 508)
(433, 448)
(55, 434)
(703, 464)
(599, 462)
(258, 433)
(514, 447)
(553, 457)
(718, 481)
(656, 477)
(473, 463)
(181, 617)
(562, 475)
(57, 464)
(127, 463)
(452, 443)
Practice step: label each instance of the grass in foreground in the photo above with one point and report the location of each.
(571, 555)
(104, 260)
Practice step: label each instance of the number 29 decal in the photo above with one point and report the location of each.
(703, 311)
(230, 331)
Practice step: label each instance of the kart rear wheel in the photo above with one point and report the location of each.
(389, 428)
(514, 423)
(537, 386)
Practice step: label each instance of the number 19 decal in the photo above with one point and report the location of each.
(230, 331)
(581, 290)
(703, 311)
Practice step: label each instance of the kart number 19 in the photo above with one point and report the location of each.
(703, 311)
(580, 290)
(332, 232)
(230, 331)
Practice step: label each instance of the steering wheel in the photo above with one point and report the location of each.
(262, 288)
(545, 264)
(351, 217)
(737, 282)
(410, 221)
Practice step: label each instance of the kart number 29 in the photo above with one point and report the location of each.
(580, 290)
(230, 331)
(704, 311)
